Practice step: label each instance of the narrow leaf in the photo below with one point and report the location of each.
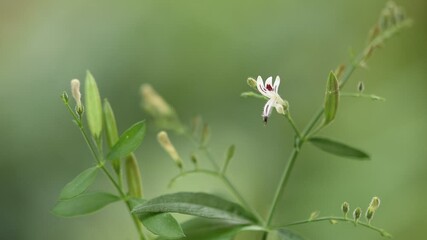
(331, 99)
(83, 204)
(93, 106)
(197, 204)
(286, 234)
(210, 229)
(337, 148)
(128, 141)
(79, 184)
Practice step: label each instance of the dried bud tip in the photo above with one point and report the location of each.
(75, 91)
(163, 139)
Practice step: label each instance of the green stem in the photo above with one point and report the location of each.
(294, 126)
(361, 95)
(341, 219)
(99, 159)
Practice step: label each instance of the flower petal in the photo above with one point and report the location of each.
(276, 84)
(268, 107)
(260, 86)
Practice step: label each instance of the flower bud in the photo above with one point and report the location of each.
(194, 160)
(75, 91)
(361, 87)
(375, 203)
(370, 213)
(64, 97)
(356, 214)
(164, 141)
(252, 83)
(345, 207)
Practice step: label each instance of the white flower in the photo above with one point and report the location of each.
(270, 91)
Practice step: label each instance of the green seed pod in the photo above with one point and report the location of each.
(133, 177)
(356, 214)
(345, 208)
(93, 106)
(111, 132)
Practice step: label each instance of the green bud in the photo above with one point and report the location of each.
(111, 132)
(80, 110)
(356, 214)
(252, 83)
(93, 106)
(345, 207)
(133, 176)
(64, 97)
(194, 160)
(375, 203)
(370, 213)
(361, 87)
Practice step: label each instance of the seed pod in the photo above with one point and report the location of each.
(375, 203)
(370, 214)
(133, 176)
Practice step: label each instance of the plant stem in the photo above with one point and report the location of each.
(342, 219)
(99, 159)
(294, 126)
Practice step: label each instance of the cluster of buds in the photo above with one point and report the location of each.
(357, 213)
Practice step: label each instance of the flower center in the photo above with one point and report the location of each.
(269, 87)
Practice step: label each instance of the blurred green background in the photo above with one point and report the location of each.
(198, 54)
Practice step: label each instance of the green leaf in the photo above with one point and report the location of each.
(286, 234)
(162, 224)
(79, 184)
(93, 106)
(331, 98)
(210, 229)
(197, 204)
(128, 141)
(83, 204)
(337, 148)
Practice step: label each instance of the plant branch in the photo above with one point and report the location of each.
(341, 219)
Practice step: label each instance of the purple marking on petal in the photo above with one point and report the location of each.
(269, 87)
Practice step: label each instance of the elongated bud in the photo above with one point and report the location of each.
(133, 176)
(111, 132)
(375, 203)
(64, 97)
(370, 214)
(252, 83)
(93, 106)
(356, 214)
(164, 141)
(345, 208)
(75, 91)
(361, 87)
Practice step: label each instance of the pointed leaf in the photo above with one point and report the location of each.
(79, 184)
(197, 204)
(93, 106)
(83, 204)
(337, 148)
(128, 141)
(210, 229)
(286, 234)
(331, 99)
(162, 224)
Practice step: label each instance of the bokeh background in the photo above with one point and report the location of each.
(198, 54)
